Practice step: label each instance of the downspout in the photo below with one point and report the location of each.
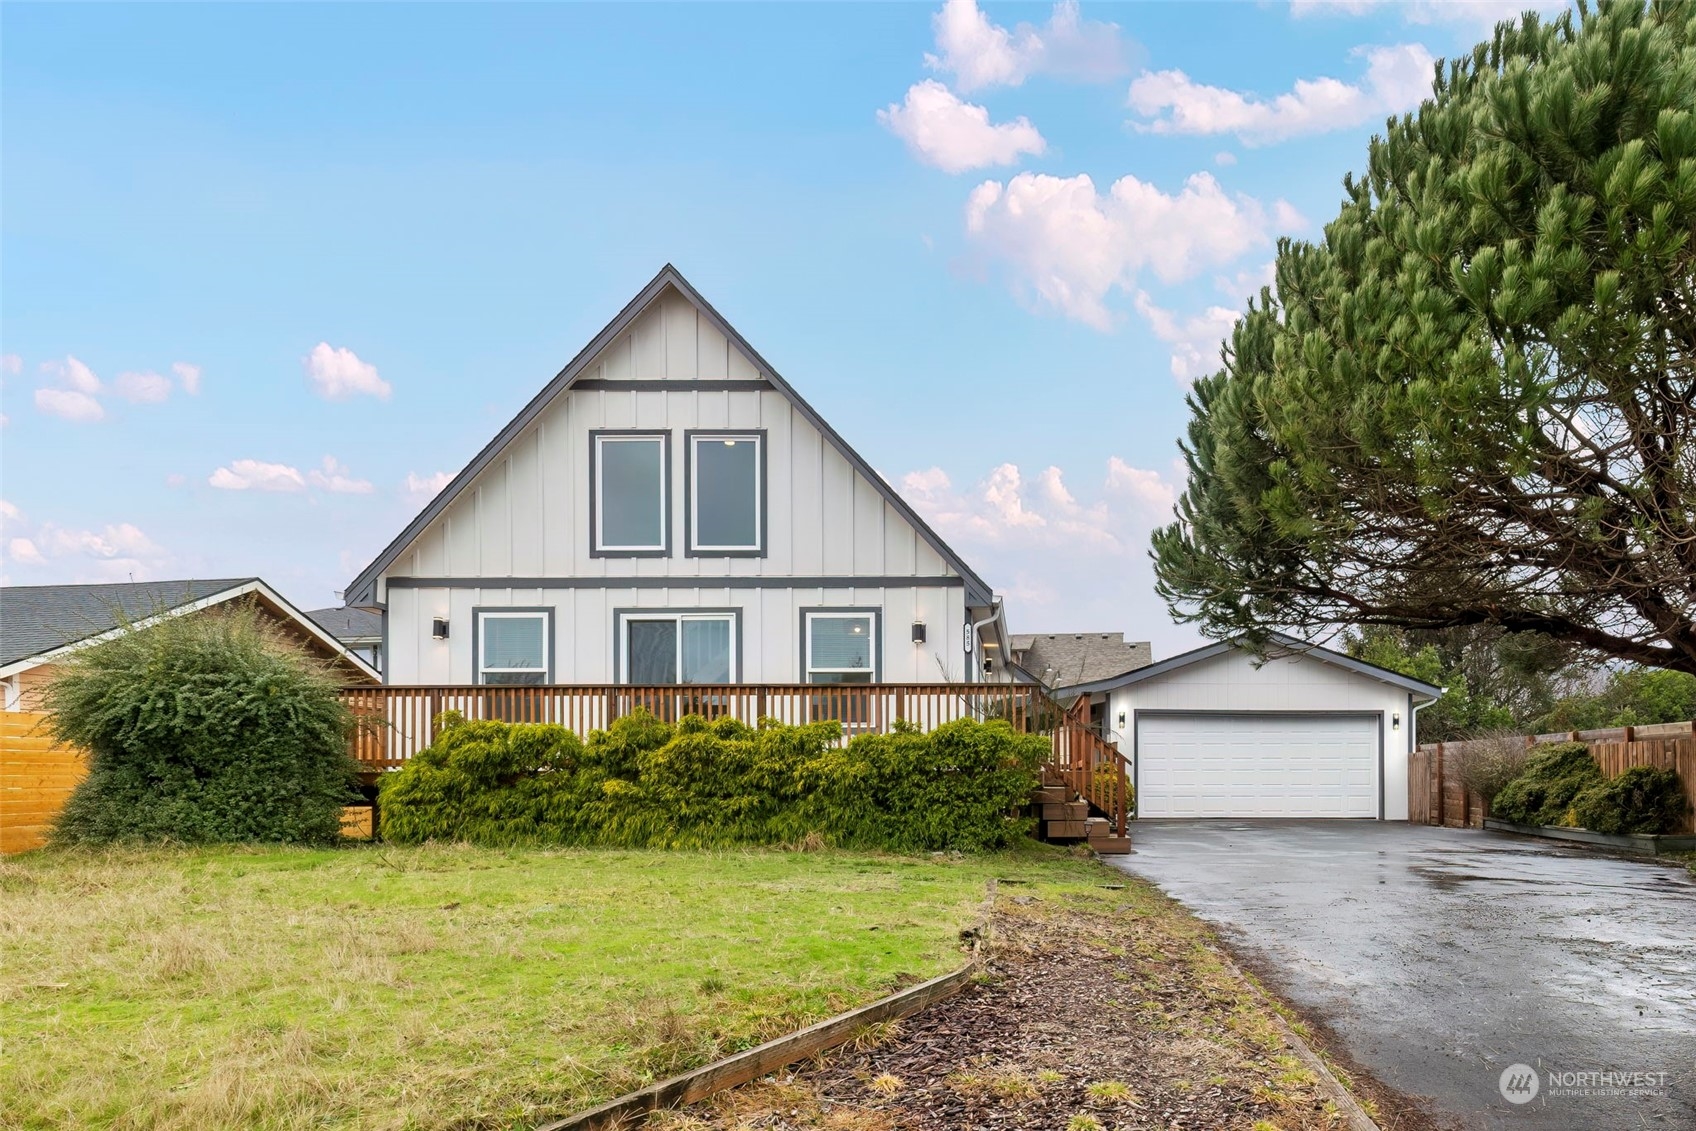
(976, 672)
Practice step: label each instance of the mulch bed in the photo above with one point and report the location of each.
(1089, 1015)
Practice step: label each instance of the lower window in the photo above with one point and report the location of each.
(513, 647)
(841, 646)
(665, 647)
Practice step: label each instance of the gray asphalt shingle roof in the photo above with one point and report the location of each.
(349, 625)
(1064, 659)
(38, 618)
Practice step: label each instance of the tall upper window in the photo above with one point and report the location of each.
(727, 479)
(632, 510)
(841, 646)
(513, 647)
(678, 647)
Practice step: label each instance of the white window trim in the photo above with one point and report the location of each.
(870, 615)
(486, 615)
(601, 545)
(626, 619)
(758, 543)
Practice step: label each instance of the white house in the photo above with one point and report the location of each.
(1301, 732)
(668, 509)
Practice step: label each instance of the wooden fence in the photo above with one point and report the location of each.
(399, 721)
(1436, 797)
(36, 776)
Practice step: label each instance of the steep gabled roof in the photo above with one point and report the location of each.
(363, 589)
(1288, 644)
(39, 623)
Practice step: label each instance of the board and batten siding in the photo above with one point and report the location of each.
(527, 516)
(1235, 681)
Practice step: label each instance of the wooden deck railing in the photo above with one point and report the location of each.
(397, 722)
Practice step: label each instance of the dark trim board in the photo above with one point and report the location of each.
(362, 591)
(657, 385)
(1136, 740)
(926, 582)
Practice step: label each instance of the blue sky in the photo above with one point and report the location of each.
(268, 272)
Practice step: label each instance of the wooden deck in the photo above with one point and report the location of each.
(397, 722)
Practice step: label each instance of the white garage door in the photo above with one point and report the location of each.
(1247, 765)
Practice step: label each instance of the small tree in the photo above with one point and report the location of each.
(1485, 765)
(203, 728)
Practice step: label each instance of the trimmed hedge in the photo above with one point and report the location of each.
(1643, 799)
(1554, 776)
(203, 728)
(644, 783)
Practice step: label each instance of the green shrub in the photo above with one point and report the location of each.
(1554, 776)
(203, 728)
(643, 783)
(1644, 799)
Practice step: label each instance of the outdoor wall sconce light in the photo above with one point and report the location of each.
(1395, 720)
(918, 632)
(988, 666)
(439, 628)
(1121, 720)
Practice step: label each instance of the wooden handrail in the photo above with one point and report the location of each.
(397, 721)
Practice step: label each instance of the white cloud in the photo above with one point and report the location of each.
(1245, 284)
(69, 404)
(1149, 489)
(1195, 340)
(334, 477)
(72, 374)
(119, 551)
(337, 374)
(1069, 554)
(189, 375)
(1475, 15)
(142, 388)
(955, 136)
(1070, 245)
(981, 54)
(1225, 159)
(9, 512)
(1397, 78)
(11, 364)
(423, 488)
(25, 551)
(255, 475)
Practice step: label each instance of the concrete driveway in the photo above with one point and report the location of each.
(1440, 957)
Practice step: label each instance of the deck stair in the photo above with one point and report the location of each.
(1064, 817)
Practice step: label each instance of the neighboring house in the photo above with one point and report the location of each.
(1301, 732)
(1059, 660)
(668, 510)
(360, 629)
(40, 625)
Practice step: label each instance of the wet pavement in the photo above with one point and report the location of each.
(1440, 957)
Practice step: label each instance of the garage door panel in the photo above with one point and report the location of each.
(1216, 765)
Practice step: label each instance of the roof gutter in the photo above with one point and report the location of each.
(972, 628)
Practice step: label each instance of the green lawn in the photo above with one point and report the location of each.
(440, 987)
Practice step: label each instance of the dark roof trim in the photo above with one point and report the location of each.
(363, 589)
(1288, 643)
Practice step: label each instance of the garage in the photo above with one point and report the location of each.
(1292, 729)
(1220, 764)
